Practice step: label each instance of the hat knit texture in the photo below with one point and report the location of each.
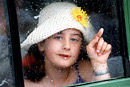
(54, 18)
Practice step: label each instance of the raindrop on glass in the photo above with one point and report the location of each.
(52, 80)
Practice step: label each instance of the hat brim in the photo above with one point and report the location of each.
(61, 21)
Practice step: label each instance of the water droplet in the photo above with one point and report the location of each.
(47, 77)
(82, 59)
(26, 9)
(28, 32)
(52, 80)
(59, 70)
(71, 67)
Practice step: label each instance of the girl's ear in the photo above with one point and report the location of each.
(40, 46)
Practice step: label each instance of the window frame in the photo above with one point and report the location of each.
(123, 36)
(14, 44)
(15, 54)
(127, 22)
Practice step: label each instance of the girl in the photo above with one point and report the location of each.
(56, 47)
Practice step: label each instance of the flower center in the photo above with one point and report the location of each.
(79, 17)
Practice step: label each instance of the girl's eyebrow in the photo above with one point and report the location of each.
(76, 34)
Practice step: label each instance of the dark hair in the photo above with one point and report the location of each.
(34, 71)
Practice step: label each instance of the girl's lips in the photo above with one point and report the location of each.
(64, 56)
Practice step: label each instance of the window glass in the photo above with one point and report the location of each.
(5, 71)
(102, 14)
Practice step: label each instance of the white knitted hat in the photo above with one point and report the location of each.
(54, 18)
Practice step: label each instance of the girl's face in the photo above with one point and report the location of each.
(62, 49)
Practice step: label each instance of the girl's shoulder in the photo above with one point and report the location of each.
(86, 70)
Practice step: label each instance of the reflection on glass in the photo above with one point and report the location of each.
(5, 73)
(52, 61)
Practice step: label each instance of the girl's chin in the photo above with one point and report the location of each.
(64, 65)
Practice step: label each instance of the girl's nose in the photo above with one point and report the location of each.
(66, 45)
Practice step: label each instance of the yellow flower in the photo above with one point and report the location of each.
(80, 15)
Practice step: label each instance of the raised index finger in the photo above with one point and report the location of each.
(96, 37)
(100, 32)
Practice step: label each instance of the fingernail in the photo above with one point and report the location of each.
(98, 51)
(102, 29)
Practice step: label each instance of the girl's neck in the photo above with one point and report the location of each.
(58, 75)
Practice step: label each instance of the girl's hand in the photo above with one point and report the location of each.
(98, 51)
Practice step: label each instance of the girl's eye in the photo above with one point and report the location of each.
(74, 39)
(58, 37)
